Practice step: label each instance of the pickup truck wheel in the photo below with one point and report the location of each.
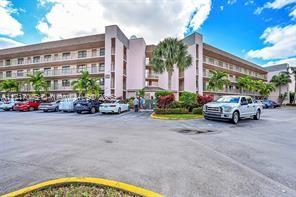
(31, 109)
(235, 117)
(93, 110)
(119, 110)
(257, 116)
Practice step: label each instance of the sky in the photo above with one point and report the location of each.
(263, 32)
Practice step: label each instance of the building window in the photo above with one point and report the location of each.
(102, 67)
(8, 74)
(147, 61)
(20, 73)
(66, 70)
(211, 60)
(20, 61)
(29, 60)
(81, 54)
(65, 56)
(36, 59)
(93, 68)
(47, 71)
(230, 67)
(94, 52)
(48, 83)
(7, 62)
(102, 81)
(65, 83)
(102, 51)
(81, 68)
(220, 64)
(56, 56)
(47, 58)
(1, 75)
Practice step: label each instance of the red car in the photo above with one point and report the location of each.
(26, 106)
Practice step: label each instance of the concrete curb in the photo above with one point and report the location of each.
(154, 116)
(98, 181)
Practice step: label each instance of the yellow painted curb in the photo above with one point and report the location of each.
(154, 116)
(98, 181)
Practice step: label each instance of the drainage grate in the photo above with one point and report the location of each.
(194, 131)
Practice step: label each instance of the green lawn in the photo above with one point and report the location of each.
(176, 116)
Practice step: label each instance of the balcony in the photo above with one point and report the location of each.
(234, 91)
(54, 73)
(151, 76)
(237, 69)
(48, 59)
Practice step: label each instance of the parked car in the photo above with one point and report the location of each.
(270, 104)
(88, 105)
(67, 105)
(232, 108)
(8, 105)
(30, 105)
(52, 106)
(114, 107)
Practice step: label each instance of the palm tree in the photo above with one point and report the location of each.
(293, 71)
(281, 80)
(245, 83)
(38, 82)
(218, 80)
(168, 53)
(86, 85)
(93, 88)
(264, 88)
(9, 86)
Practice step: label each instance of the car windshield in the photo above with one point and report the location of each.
(228, 99)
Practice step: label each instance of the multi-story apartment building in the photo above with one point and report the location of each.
(122, 65)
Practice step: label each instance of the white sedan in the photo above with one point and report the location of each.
(67, 104)
(114, 107)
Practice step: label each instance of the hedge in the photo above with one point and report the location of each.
(171, 111)
(197, 110)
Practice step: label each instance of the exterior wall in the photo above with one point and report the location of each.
(136, 76)
(136, 65)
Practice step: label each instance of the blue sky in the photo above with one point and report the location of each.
(263, 32)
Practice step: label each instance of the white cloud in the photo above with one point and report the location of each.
(230, 2)
(290, 61)
(150, 19)
(221, 8)
(281, 43)
(276, 4)
(8, 43)
(293, 13)
(9, 25)
(249, 2)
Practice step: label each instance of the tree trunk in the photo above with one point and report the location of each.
(170, 80)
(280, 92)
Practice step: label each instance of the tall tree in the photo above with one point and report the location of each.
(218, 80)
(245, 83)
(264, 88)
(168, 53)
(93, 88)
(9, 86)
(281, 80)
(293, 71)
(38, 83)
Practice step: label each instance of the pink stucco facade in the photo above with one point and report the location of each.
(123, 65)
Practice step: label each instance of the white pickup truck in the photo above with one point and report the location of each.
(232, 108)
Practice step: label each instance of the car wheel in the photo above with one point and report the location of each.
(93, 110)
(119, 110)
(78, 112)
(56, 109)
(31, 108)
(257, 116)
(45, 110)
(235, 117)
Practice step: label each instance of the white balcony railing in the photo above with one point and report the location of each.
(52, 58)
(55, 72)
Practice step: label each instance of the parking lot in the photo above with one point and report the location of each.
(174, 158)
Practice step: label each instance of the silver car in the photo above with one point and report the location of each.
(47, 107)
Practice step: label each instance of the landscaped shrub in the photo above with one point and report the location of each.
(165, 101)
(201, 100)
(197, 110)
(188, 99)
(176, 104)
(162, 93)
(171, 111)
